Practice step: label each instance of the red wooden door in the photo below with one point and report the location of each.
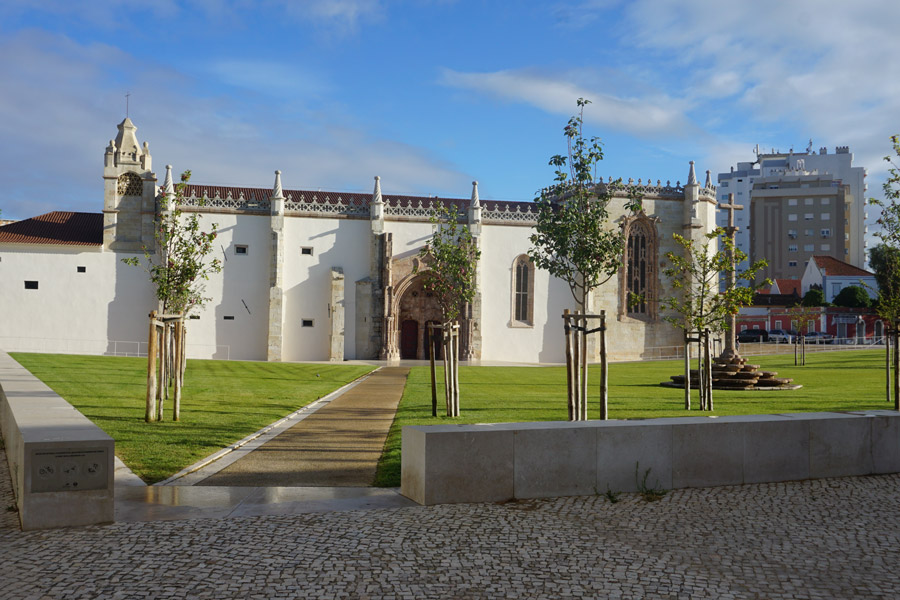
(409, 339)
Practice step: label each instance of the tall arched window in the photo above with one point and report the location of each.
(639, 284)
(522, 292)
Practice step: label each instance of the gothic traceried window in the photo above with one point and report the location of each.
(523, 292)
(639, 287)
(130, 184)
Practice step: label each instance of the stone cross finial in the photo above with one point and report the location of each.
(731, 207)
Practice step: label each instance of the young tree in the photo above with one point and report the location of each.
(452, 257)
(889, 233)
(884, 260)
(574, 241)
(698, 304)
(178, 267)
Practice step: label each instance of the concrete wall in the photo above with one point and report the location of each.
(62, 465)
(487, 463)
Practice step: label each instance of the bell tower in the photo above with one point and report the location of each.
(129, 192)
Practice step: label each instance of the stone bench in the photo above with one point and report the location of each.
(61, 464)
(489, 463)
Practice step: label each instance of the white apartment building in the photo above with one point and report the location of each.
(793, 166)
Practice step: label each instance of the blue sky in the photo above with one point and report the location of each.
(431, 94)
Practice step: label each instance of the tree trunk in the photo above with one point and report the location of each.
(179, 349)
(708, 370)
(604, 370)
(687, 370)
(431, 361)
(896, 368)
(584, 369)
(570, 366)
(887, 366)
(445, 343)
(152, 350)
(455, 361)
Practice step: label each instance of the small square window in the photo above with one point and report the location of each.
(825, 216)
(792, 263)
(306, 323)
(194, 317)
(241, 249)
(306, 251)
(229, 317)
(81, 269)
(31, 285)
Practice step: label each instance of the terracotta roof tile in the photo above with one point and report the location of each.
(788, 286)
(835, 267)
(58, 227)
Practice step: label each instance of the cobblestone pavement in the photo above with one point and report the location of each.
(837, 538)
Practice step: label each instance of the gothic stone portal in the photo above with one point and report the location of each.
(416, 308)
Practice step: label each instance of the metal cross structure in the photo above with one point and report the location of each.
(730, 350)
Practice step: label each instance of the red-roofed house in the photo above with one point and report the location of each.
(833, 275)
(786, 286)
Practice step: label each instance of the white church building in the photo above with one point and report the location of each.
(313, 276)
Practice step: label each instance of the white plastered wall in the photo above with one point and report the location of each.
(104, 309)
(307, 282)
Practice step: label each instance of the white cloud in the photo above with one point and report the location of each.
(647, 116)
(69, 97)
(269, 77)
(828, 70)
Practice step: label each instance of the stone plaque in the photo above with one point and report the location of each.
(68, 470)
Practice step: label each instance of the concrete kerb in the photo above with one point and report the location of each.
(217, 461)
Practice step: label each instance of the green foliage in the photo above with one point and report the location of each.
(694, 276)
(178, 265)
(852, 296)
(451, 257)
(572, 239)
(224, 401)
(884, 260)
(612, 496)
(650, 494)
(814, 297)
(889, 221)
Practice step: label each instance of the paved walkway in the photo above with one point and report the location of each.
(837, 538)
(338, 445)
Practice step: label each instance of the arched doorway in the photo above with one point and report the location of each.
(415, 308)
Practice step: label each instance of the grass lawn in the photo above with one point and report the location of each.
(223, 402)
(832, 381)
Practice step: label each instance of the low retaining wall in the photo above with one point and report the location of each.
(62, 465)
(489, 463)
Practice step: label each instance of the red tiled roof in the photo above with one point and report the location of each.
(57, 227)
(834, 267)
(788, 286)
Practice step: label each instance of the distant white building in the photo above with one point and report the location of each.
(798, 169)
(832, 275)
(320, 275)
